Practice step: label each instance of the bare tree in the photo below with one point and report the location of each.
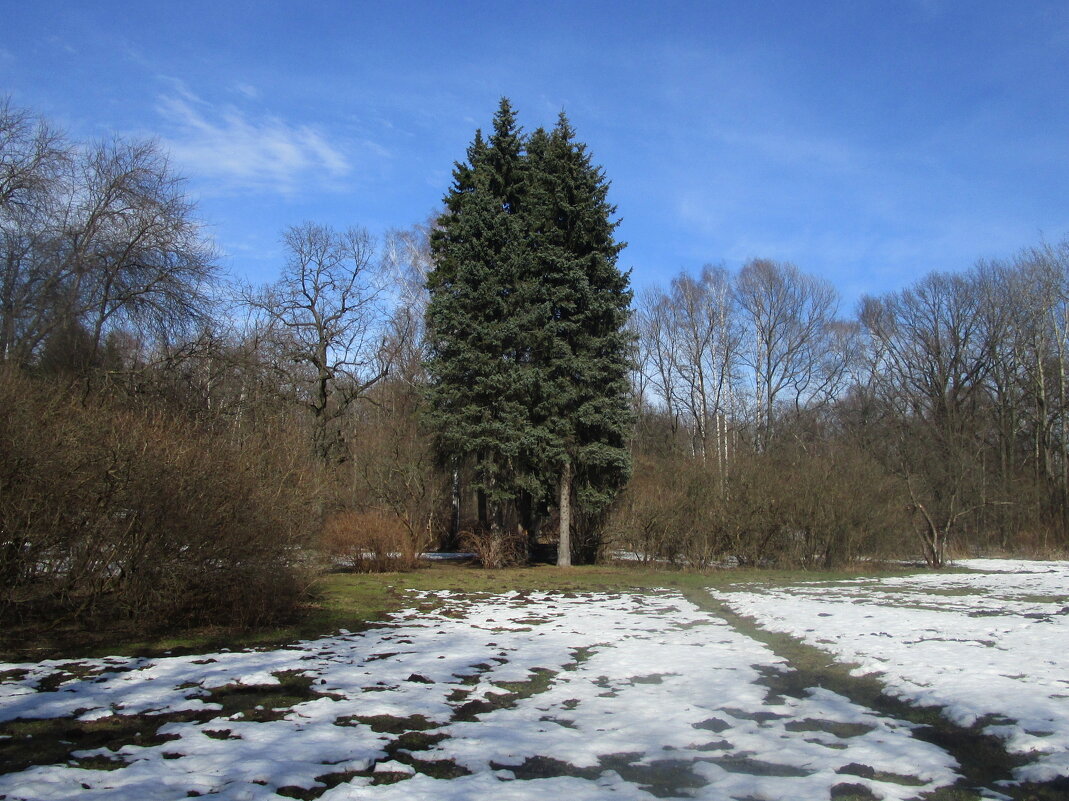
(33, 160)
(94, 239)
(706, 330)
(326, 317)
(30, 154)
(1026, 303)
(134, 250)
(1055, 264)
(936, 355)
(790, 343)
(657, 345)
(407, 260)
(402, 474)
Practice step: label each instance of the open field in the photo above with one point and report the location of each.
(588, 684)
(988, 649)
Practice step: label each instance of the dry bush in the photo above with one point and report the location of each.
(369, 542)
(800, 506)
(394, 467)
(110, 511)
(673, 512)
(495, 548)
(838, 505)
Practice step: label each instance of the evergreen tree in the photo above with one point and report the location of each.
(581, 350)
(529, 360)
(474, 405)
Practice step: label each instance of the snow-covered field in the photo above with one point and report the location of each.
(989, 647)
(581, 696)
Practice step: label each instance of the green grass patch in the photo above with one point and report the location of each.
(54, 740)
(389, 724)
(539, 682)
(837, 728)
(354, 601)
(264, 702)
(1061, 600)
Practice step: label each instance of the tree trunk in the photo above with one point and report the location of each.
(482, 511)
(1063, 500)
(454, 512)
(529, 522)
(564, 550)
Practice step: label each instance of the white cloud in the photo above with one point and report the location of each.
(240, 152)
(248, 90)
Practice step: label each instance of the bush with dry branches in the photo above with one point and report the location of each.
(369, 541)
(109, 511)
(495, 548)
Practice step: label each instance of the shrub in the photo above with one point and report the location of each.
(672, 511)
(369, 542)
(110, 511)
(495, 548)
(812, 506)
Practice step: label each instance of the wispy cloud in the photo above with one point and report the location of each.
(248, 90)
(241, 152)
(61, 44)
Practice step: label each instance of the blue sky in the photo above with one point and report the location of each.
(867, 142)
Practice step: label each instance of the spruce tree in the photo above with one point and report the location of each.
(581, 350)
(475, 408)
(529, 357)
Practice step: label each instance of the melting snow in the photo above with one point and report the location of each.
(583, 696)
(991, 647)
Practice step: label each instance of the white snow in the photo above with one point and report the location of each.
(990, 647)
(616, 696)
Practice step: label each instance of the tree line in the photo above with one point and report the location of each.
(932, 421)
(179, 447)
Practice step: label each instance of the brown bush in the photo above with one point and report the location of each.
(495, 548)
(393, 466)
(673, 511)
(369, 542)
(110, 511)
(814, 506)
